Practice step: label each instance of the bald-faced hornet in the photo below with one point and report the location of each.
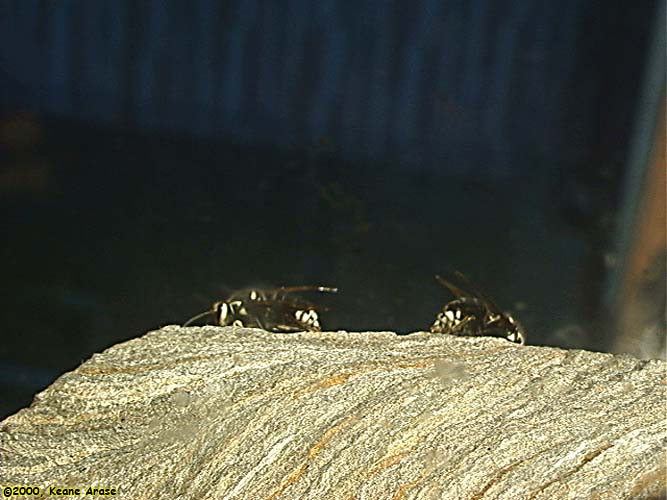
(472, 313)
(274, 310)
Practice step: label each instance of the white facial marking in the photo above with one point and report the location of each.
(458, 314)
(238, 322)
(253, 295)
(298, 314)
(450, 315)
(224, 311)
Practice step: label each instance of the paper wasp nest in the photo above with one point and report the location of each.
(234, 413)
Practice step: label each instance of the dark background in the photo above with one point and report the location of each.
(155, 156)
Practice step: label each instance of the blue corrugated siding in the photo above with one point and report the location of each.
(466, 84)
